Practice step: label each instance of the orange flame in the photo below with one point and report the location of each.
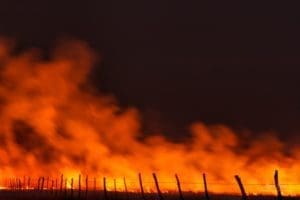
(52, 124)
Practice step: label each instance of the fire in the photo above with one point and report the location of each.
(53, 123)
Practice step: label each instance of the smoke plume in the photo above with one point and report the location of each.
(52, 124)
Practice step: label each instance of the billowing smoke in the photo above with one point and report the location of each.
(52, 124)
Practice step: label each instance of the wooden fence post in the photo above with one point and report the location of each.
(79, 186)
(56, 187)
(20, 184)
(17, 184)
(61, 183)
(38, 183)
(28, 183)
(66, 187)
(179, 187)
(125, 187)
(279, 196)
(115, 188)
(24, 183)
(52, 186)
(104, 189)
(157, 187)
(141, 186)
(239, 181)
(205, 187)
(47, 183)
(10, 184)
(43, 180)
(72, 187)
(86, 185)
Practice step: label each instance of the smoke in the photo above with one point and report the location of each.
(52, 124)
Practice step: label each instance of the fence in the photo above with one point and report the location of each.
(82, 185)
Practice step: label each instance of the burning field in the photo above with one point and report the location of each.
(53, 123)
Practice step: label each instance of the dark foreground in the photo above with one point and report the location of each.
(95, 195)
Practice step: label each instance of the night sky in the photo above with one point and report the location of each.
(177, 61)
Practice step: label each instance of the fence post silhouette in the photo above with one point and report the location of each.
(125, 187)
(115, 188)
(24, 183)
(10, 184)
(61, 183)
(47, 183)
(279, 196)
(179, 187)
(104, 189)
(56, 187)
(17, 183)
(157, 187)
(79, 186)
(66, 187)
(52, 186)
(72, 189)
(38, 183)
(20, 184)
(86, 185)
(28, 183)
(205, 186)
(42, 186)
(141, 186)
(239, 181)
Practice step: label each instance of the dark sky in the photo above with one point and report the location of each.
(180, 61)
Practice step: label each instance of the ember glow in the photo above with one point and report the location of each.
(53, 123)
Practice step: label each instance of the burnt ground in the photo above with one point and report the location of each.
(95, 195)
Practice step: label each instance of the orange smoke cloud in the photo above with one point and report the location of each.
(52, 123)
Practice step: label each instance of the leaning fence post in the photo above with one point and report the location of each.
(104, 188)
(279, 197)
(239, 181)
(157, 187)
(141, 186)
(179, 187)
(125, 187)
(205, 187)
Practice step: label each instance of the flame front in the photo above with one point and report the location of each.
(53, 122)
